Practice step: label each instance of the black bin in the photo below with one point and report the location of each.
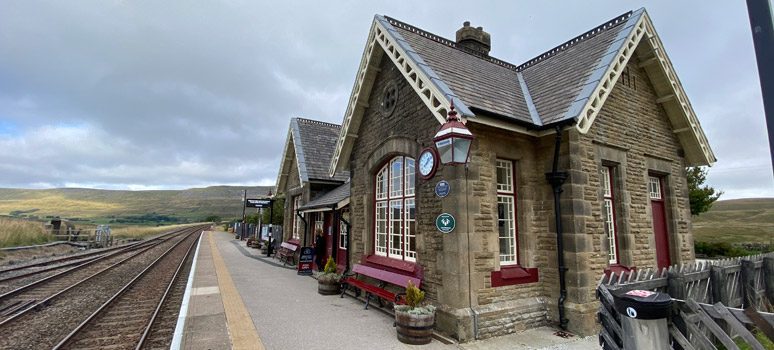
(642, 304)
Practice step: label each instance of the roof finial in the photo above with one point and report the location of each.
(452, 115)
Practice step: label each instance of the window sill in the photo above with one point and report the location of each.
(618, 269)
(393, 265)
(513, 274)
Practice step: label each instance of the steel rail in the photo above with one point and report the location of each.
(115, 296)
(65, 272)
(37, 272)
(73, 257)
(48, 300)
(164, 297)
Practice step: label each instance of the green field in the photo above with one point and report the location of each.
(737, 221)
(127, 207)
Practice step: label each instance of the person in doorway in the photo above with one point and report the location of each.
(319, 250)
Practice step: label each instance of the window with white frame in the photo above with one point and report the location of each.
(343, 230)
(655, 187)
(395, 209)
(606, 177)
(318, 223)
(296, 220)
(506, 213)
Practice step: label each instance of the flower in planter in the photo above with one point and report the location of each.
(330, 272)
(414, 302)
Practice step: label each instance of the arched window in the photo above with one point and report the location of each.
(395, 209)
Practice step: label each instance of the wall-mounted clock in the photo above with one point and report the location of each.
(428, 163)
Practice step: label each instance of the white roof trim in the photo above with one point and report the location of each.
(643, 28)
(283, 174)
(429, 87)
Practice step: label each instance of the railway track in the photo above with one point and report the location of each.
(118, 295)
(36, 287)
(120, 322)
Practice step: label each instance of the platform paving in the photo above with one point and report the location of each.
(285, 311)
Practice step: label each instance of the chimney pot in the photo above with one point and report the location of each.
(474, 40)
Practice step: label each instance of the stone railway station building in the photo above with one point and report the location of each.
(605, 108)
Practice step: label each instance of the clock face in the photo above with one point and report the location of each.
(427, 163)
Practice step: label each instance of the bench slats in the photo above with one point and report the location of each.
(381, 275)
(288, 246)
(389, 277)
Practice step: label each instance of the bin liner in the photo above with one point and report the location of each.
(642, 304)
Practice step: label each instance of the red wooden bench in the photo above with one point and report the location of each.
(384, 277)
(287, 253)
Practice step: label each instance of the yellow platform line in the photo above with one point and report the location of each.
(241, 329)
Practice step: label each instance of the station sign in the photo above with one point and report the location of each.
(305, 261)
(258, 203)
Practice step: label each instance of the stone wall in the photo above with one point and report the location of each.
(632, 133)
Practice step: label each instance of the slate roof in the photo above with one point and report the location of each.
(565, 85)
(315, 142)
(553, 80)
(327, 199)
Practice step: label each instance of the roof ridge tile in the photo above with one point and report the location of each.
(318, 122)
(539, 58)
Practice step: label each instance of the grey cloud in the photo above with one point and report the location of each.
(174, 94)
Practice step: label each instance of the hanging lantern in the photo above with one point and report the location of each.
(453, 140)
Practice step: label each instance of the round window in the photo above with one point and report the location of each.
(389, 99)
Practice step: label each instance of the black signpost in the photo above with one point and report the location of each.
(259, 203)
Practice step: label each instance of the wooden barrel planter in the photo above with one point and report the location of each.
(414, 329)
(328, 286)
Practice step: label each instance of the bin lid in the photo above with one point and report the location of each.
(642, 304)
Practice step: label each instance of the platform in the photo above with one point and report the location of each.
(240, 299)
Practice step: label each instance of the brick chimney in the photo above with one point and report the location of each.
(474, 39)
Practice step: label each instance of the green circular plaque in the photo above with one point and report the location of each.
(445, 223)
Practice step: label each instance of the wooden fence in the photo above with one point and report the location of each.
(713, 301)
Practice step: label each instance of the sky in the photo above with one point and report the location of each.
(143, 95)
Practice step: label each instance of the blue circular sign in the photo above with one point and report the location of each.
(442, 188)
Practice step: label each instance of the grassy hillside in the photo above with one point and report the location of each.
(737, 221)
(148, 207)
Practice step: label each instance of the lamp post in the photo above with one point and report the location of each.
(453, 140)
(244, 218)
(271, 222)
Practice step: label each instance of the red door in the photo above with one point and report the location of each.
(328, 232)
(659, 222)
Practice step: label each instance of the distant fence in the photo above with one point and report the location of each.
(93, 238)
(708, 301)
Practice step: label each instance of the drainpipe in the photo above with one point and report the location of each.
(556, 179)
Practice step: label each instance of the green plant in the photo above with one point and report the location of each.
(330, 271)
(330, 266)
(700, 197)
(414, 296)
(414, 302)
